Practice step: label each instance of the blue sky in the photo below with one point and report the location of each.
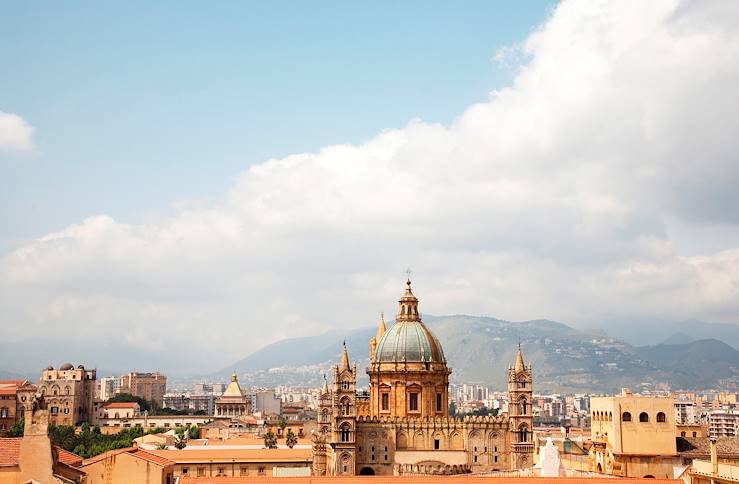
(136, 105)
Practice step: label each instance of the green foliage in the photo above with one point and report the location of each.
(199, 412)
(156, 430)
(270, 441)
(482, 412)
(283, 423)
(144, 405)
(193, 432)
(180, 442)
(17, 429)
(291, 439)
(162, 447)
(89, 442)
(452, 409)
(171, 411)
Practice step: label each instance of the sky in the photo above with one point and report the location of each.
(245, 172)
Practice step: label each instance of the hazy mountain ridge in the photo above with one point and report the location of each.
(480, 349)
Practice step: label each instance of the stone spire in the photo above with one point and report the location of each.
(344, 358)
(519, 360)
(324, 390)
(408, 304)
(381, 329)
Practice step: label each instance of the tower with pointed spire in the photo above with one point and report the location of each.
(520, 413)
(233, 402)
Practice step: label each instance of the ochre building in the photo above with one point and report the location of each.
(403, 426)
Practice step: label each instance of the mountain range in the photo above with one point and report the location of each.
(480, 349)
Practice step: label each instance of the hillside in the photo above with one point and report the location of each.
(479, 349)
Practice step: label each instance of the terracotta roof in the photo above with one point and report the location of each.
(10, 451)
(241, 455)
(420, 479)
(153, 458)
(66, 457)
(121, 405)
(104, 455)
(697, 447)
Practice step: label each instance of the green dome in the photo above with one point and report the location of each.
(409, 341)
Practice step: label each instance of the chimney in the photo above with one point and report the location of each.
(714, 457)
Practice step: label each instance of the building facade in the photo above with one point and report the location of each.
(723, 423)
(403, 427)
(69, 393)
(149, 386)
(11, 409)
(633, 436)
(233, 402)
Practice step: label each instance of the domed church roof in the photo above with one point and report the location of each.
(408, 340)
(66, 366)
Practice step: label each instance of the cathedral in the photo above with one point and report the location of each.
(403, 427)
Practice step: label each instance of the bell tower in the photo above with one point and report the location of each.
(344, 422)
(520, 413)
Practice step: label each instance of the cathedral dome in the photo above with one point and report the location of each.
(66, 366)
(408, 340)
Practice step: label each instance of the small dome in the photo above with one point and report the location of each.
(66, 366)
(80, 367)
(48, 368)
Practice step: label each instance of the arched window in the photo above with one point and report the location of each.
(344, 432)
(643, 417)
(67, 390)
(4, 412)
(324, 415)
(661, 417)
(522, 406)
(523, 434)
(626, 417)
(682, 434)
(345, 406)
(402, 310)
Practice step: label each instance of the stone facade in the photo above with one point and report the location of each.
(403, 427)
(69, 394)
(233, 402)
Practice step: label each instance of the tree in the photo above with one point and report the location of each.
(180, 442)
(283, 423)
(193, 432)
(270, 441)
(291, 439)
(162, 447)
(17, 429)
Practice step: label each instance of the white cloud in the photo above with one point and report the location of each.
(559, 198)
(15, 133)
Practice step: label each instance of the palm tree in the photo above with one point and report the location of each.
(180, 442)
(291, 439)
(162, 447)
(270, 441)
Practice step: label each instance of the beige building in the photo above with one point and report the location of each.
(225, 462)
(233, 402)
(149, 386)
(633, 436)
(69, 394)
(723, 423)
(124, 466)
(121, 410)
(403, 426)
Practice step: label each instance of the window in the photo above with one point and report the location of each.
(221, 471)
(495, 459)
(345, 385)
(386, 401)
(344, 433)
(54, 410)
(260, 471)
(643, 417)
(682, 434)
(3, 412)
(201, 471)
(413, 402)
(626, 417)
(661, 417)
(184, 470)
(438, 402)
(437, 444)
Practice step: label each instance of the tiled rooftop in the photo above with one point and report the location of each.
(10, 450)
